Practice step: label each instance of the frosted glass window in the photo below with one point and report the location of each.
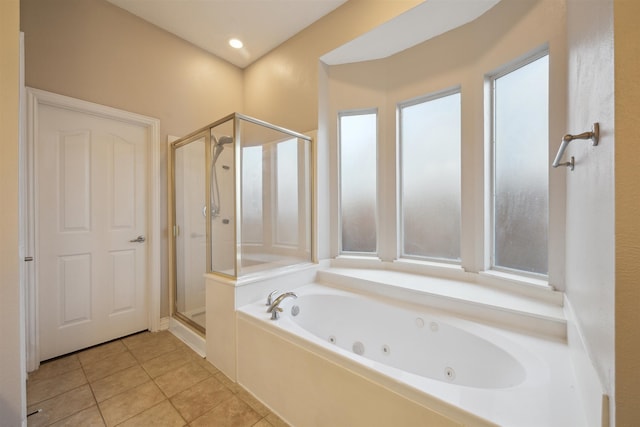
(287, 182)
(358, 147)
(430, 178)
(252, 194)
(521, 161)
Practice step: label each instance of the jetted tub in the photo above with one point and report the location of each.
(463, 371)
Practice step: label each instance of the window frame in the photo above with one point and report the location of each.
(400, 183)
(490, 136)
(340, 115)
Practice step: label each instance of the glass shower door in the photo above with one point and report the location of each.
(190, 232)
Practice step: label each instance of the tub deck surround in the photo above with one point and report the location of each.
(537, 311)
(519, 380)
(225, 294)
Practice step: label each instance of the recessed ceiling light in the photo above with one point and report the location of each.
(235, 43)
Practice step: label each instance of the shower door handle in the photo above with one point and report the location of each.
(138, 239)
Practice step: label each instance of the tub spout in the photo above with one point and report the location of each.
(274, 308)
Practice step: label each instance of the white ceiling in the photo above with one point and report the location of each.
(260, 24)
(264, 24)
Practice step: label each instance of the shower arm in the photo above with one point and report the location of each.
(594, 136)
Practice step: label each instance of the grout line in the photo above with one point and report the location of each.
(210, 375)
(58, 395)
(92, 393)
(178, 412)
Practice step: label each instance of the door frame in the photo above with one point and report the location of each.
(35, 99)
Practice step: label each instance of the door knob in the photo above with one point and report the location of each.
(138, 239)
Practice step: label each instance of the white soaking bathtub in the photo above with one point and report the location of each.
(399, 363)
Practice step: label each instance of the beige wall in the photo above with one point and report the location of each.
(282, 86)
(627, 211)
(94, 51)
(590, 271)
(12, 375)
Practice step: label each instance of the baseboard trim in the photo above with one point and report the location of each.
(194, 340)
(164, 323)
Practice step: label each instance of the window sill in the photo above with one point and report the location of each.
(524, 283)
(492, 298)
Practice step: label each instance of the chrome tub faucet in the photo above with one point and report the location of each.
(274, 308)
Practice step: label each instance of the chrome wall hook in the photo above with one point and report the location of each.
(594, 136)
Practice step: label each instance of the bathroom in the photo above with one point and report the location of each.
(586, 242)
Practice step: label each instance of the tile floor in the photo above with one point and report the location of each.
(147, 379)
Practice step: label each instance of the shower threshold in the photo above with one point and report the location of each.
(194, 340)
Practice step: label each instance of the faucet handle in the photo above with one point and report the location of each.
(270, 297)
(275, 313)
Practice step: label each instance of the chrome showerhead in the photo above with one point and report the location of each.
(219, 145)
(225, 139)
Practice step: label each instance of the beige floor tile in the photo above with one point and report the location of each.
(144, 338)
(161, 415)
(55, 367)
(61, 406)
(39, 419)
(207, 365)
(105, 367)
(51, 387)
(90, 417)
(100, 352)
(276, 421)
(182, 378)
(118, 375)
(168, 362)
(154, 349)
(234, 387)
(137, 339)
(119, 382)
(230, 413)
(150, 339)
(202, 397)
(133, 401)
(255, 404)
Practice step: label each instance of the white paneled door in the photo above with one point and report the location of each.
(91, 229)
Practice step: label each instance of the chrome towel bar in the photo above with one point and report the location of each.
(594, 136)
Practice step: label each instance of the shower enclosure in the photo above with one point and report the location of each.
(241, 205)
